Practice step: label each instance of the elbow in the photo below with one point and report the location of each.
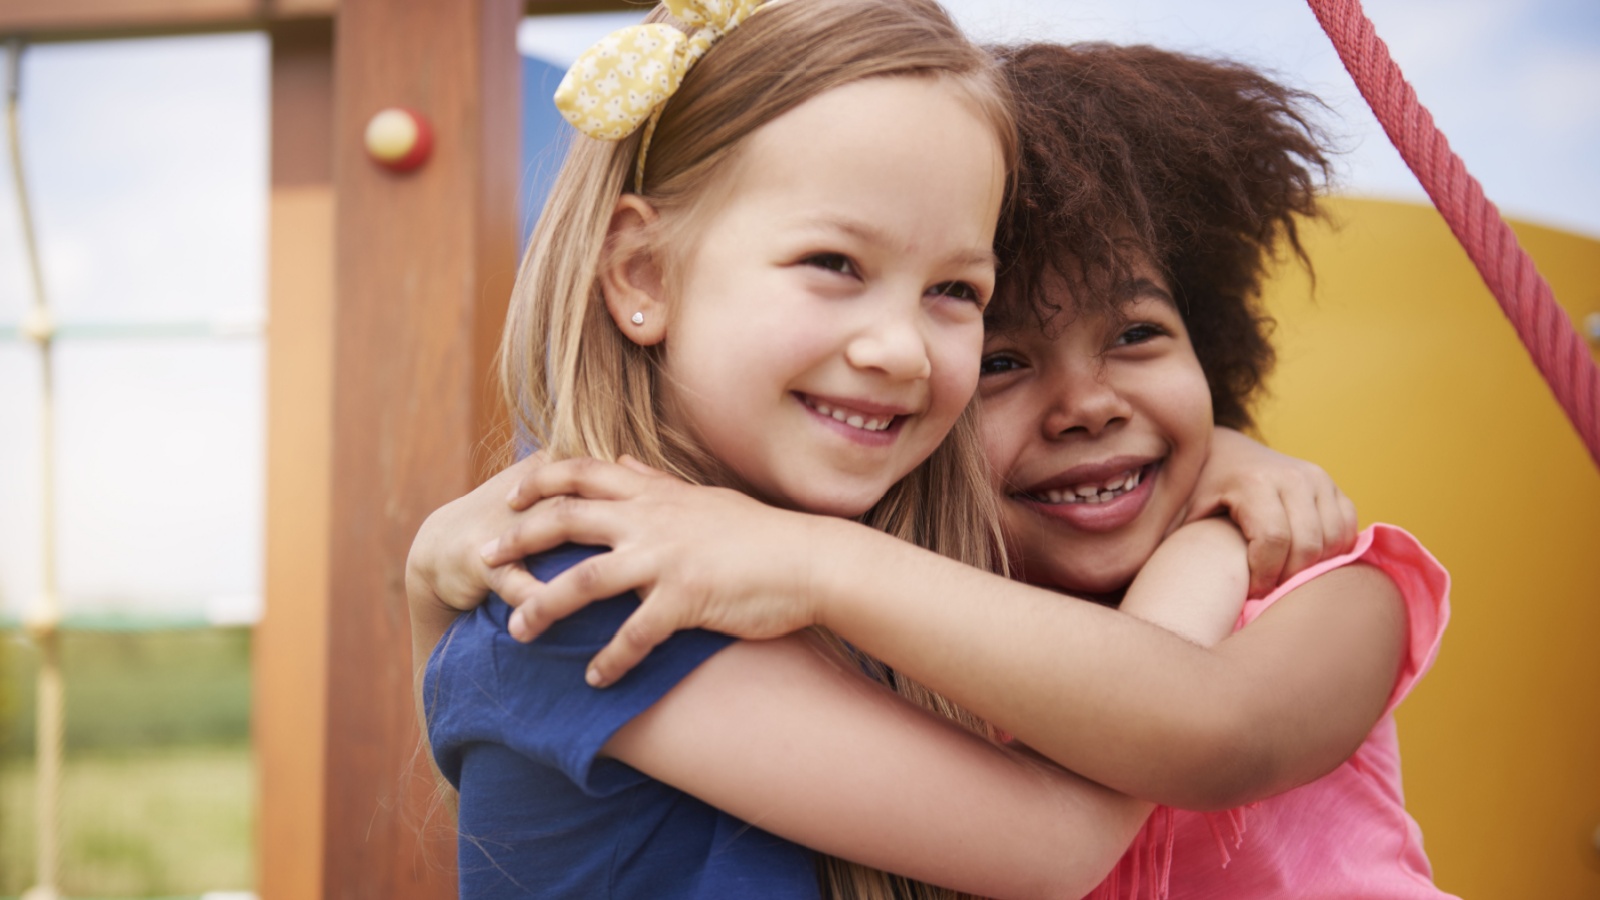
(1084, 844)
(1081, 871)
(1099, 856)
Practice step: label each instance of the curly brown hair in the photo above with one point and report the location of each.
(1130, 153)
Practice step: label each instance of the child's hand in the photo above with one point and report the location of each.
(446, 568)
(699, 557)
(1291, 513)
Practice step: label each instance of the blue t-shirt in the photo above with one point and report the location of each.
(517, 731)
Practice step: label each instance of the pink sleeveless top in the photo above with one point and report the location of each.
(1345, 835)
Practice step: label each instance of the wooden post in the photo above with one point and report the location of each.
(424, 268)
(290, 657)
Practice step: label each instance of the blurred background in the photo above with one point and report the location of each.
(148, 171)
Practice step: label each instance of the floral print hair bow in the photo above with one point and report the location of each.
(623, 81)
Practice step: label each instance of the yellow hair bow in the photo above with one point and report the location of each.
(623, 81)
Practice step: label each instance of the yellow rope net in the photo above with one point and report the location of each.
(44, 619)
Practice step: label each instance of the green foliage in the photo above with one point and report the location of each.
(134, 689)
(159, 785)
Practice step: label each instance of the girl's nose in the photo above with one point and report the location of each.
(893, 345)
(1085, 401)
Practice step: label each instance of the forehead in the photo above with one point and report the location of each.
(918, 143)
(1056, 305)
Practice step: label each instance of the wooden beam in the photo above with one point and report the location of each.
(290, 659)
(424, 268)
(565, 7)
(88, 19)
(58, 20)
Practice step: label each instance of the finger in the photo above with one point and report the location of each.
(1306, 535)
(1336, 537)
(513, 583)
(582, 477)
(637, 466)
(553, 522)
(646, 629)
(1352, 522)
(1264, 523)
(1266, 556)
(599, 577)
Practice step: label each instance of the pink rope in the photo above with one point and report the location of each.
(1524, 296)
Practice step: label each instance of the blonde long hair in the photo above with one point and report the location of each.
(576, 386)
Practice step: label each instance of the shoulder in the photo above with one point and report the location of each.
(484, 686)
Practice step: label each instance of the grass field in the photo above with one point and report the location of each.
(147, 823)
(159, 782)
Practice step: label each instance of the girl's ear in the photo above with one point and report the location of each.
(630, 277)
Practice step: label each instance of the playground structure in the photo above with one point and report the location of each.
(378, 363)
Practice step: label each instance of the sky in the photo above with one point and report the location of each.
(147, 167)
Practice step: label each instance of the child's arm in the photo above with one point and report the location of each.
(1107, 696)
(1279, 704)
(1194, 585)
(786, 737)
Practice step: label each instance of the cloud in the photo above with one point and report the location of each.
(1446, 37)
(1561, 90)
(147, 171)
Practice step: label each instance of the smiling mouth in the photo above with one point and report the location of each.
(1090, 492)
(854, 418)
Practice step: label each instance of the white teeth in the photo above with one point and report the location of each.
(854, 420)
(1090, 493)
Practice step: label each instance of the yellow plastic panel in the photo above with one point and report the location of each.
(1402, 377)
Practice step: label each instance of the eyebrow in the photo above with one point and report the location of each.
(1146, 287)
(877, 236)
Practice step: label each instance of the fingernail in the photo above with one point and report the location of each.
(511, 498)
(487, 550)
(593, 677)
(517, 627)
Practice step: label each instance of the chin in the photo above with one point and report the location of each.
(1102, 578)
(1098, 584)
(842, 504)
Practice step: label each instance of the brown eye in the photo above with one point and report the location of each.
(960, 290)
(999, 364)
(832, 262)
(1138, 333)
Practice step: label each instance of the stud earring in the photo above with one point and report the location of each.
(637, 318)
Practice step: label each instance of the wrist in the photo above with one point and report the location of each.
(845, 548)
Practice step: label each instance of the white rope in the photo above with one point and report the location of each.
(44, 620)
